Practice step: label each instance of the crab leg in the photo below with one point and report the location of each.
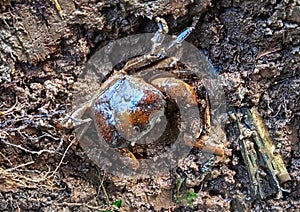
(201, 142)
(138, 62)
(183, 35)
(186, 99)
(205, 147)
(159, 35)
(134, 162)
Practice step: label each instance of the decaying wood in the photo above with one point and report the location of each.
(265, 167)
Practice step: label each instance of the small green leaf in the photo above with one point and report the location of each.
(180, 181)
(191, 196)
(117, 203)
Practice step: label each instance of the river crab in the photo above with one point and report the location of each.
(144, 96)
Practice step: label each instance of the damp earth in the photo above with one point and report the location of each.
(254, 48)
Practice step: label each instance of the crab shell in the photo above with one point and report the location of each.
(129, 107)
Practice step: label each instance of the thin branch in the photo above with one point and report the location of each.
(10, 109)
(16, 167)
(6, 158)
(27, 150)
(62, 158)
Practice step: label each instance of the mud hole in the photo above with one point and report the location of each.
(44, 46)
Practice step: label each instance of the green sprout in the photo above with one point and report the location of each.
(185, 197)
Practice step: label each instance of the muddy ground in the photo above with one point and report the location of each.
(44, 45)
